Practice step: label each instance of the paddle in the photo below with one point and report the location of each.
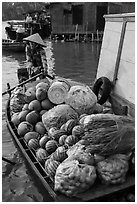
(8, 161)
(24, 82)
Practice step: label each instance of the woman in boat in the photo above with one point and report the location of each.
(35, 55)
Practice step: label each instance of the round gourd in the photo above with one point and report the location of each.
(51, 146)
(63, 127)
(41, 94)
(46, 104)
(33, 117)
(31, 135)
(30, 94)
(71, 140)
(42, 112)
(51, 131)
(25, 107)
(69, 125)
(22, 115)
(43, 140)
(35, 105)
(62, 139)
(51, 167)
(57, 134)
(41, 155)
(78, 131)
(44, 85)
(33, 144)
(60, 154)
(24, 127)
(15, 119)
(39, 127)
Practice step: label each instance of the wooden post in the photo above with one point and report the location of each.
(76, 30)
(92, 37)
(97, 36)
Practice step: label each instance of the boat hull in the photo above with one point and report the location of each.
(13, 46)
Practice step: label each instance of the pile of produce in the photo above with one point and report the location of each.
(77, 142)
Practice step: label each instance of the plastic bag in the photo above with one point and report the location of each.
(72, 178)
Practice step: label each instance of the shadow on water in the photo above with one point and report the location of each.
(76, 61)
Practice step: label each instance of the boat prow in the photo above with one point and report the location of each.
(14, 46)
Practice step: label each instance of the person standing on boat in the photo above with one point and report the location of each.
(35, 55)
(28, 19)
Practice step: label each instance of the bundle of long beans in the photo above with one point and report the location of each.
(109, 135)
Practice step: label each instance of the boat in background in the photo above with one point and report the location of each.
(41, 25)
(11, 45)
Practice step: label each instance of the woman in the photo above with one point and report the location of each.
(35, 55)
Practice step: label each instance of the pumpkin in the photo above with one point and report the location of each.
(51, 167)
(43, 140)
(24, 127)
(41, 155)
(31, 135)
(78, 130)
(62, 139)
(71, 140)
(51, 146)
(33, 144)
(69, 125)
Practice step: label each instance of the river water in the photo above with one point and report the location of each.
(76, 61)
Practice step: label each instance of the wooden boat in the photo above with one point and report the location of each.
(13, 46)
(98, 190)
(41, 26)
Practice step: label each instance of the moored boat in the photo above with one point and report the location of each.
(98, 190)
(19, 29)
(14, 46)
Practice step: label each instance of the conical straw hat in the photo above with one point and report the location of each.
(36, 39)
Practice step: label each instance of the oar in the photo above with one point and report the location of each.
(8, 161)
(24, 82)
